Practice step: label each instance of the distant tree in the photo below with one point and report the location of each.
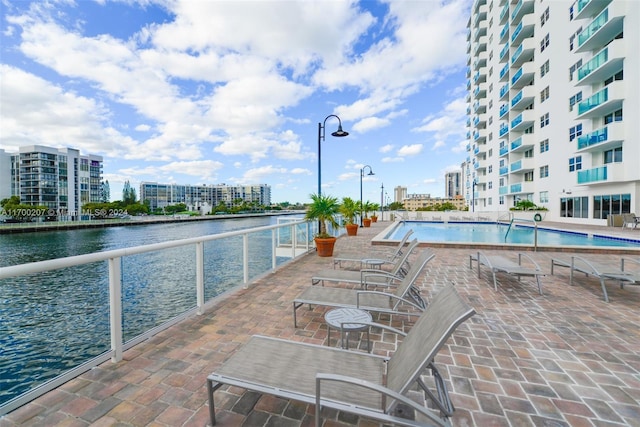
(105, 197)
(21, 212)
(396, 206)
(128, 194)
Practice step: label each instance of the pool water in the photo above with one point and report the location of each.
(494, 233)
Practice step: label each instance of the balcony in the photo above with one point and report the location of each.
(603, 102)
(479, 77)
(504, 109)
(504, 129)
(503, 191)
(480, 135)
(524, 98)
(588, 8)
(504, 170)
(602, 139)
(524, 29)
(604, 64)
(480, 121)
(504, 53)
(481, 46)
(523, 76)
(480, 91)
(504, 32)
(480, 61)
(523, 143)
(504, 91)
(525, 187)
(504, 14)
(523, 120)
(524, 52)
(524, 7)
(613, 172)
(504, 150)
(603, 28)
(523, 165)
(480, 106)
(504, 73)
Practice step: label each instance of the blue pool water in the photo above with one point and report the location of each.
(493, 233)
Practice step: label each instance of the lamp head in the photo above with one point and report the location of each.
(340, 133)
(371, 173)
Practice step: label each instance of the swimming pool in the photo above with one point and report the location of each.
(473, 234)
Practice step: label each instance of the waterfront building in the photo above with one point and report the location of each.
(421, 201)
(61, 179)
(452, 184)
(202, 198)
(553, 107)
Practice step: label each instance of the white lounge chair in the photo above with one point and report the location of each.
(601, 271)
(497, 263)
(367, 385)
(373, 258)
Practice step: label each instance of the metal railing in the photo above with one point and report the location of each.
(535, 230)
(292, 234)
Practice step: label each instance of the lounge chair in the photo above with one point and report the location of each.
(373, 259)
(630, 221)
(497, 263)
(601, 271)
(367, 385)
(376, 301)
(371, 276)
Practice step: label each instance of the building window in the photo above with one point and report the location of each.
(575, 132)
(575, 163)
(573, 68)
(544, 197)
(544, 43)
(501, 200)
(544, 146)
(544, 17)
(528, 177)
(490, 185)
(605, 205)
(529, 130)
(616, 116)
(571, 12)
(544, 68)
(490, 122)
(574, 207)
(489, 201)
(572, 39)
(544, 120)
(574, 100)
(544, 95)
(613, 156)
(491, 101)
(544, 171)
(490, 152)
(490, 169)
(617, 76)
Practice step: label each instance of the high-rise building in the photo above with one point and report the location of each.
(553, 106)
(203, 197)
(60, 179)
(452, 184)
(399, 194)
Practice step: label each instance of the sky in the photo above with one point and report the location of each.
(212, 92)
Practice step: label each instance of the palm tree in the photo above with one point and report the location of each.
(324, 209)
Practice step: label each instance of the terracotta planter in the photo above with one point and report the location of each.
(324, 246)
(352, 229)
(374, 219)
(366, 222)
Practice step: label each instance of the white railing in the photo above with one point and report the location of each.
(300, 234)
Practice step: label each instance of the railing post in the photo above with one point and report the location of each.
(274, 245)
(115, 307)
(245, 258)
(294, 240)
(200, 276)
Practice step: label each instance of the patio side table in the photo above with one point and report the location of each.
(347, 320)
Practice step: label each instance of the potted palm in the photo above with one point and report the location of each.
(374, 207)
(366, 208)
(348, 209)
(324, 209)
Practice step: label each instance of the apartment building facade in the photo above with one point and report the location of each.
(452, 184)
(203, 197)
(62, 179)
(553, 105)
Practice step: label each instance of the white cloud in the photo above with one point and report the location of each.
(410, 150)
(386, 148)
(392, 159)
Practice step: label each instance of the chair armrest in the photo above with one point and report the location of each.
(324, 377)
(388, 295)
(531, 260)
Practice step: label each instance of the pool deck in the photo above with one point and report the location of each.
(565, 358)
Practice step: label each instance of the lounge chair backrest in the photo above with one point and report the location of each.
(412, 275)
(399, 267)
(432, 329)
(400, 249)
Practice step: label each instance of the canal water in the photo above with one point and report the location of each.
(53, 321)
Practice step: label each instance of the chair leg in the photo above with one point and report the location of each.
(604, 290)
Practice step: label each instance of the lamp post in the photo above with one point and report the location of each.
(382, 202)
(321, 129)
(473, 195)
(362, 176)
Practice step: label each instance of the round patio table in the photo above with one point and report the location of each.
(347, 320)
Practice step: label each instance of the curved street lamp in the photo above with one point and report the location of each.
(321, 129)
(362, 176)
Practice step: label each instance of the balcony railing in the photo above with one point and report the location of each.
(517, 143)
(504, 31)
(504, 129)
(593, 138)
(504, 70)
(516, 76)
(504, 170)
(504, 150)
(516, 188)
(593, 101)
(515, 122)
(504, 108)
(516, 166)
(592, 175)
(516, 54)
(504, 51)
(516, 32)
(503, 190)
(516, 10)
(516, 98)
(593, 27)
(594, 63)
(504, 89)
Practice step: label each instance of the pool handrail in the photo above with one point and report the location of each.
(535, 230)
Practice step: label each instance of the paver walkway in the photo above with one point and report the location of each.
(565, 358)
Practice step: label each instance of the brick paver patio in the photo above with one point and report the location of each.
(565, 358)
